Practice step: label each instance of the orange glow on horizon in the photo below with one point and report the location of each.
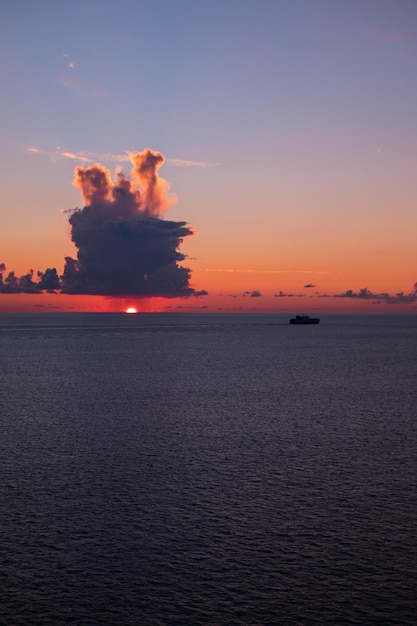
(224, 301)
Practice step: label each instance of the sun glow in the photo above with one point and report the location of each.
(131, 309)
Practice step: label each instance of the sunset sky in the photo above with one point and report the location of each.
(288, 128)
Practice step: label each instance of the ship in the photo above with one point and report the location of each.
(304, 319)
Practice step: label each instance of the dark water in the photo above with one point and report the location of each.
(174, 469)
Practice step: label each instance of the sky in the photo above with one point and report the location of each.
(209, 155)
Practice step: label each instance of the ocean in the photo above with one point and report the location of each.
(207, 469)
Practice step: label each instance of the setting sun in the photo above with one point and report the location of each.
(131, 309)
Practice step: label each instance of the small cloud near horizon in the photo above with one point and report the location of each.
(282, 294)
(366, 294)
(244, 294)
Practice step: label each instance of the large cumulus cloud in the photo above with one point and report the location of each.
(124, 245)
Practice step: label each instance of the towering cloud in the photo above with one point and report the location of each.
(124, 247)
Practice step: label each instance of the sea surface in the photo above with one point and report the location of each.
(186, 469)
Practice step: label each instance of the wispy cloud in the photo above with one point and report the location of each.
(70, 78)
(402, 38)
(59, 153)
(184, 163)
(262, 271)
(108, 157)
